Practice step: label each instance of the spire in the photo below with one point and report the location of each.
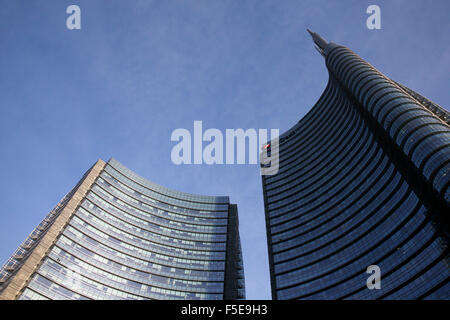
(319, 42)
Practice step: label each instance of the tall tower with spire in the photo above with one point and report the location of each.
(364, 180)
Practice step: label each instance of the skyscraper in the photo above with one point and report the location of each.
(364, 179)
(117, 235)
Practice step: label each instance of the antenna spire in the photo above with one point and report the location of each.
(319, 42)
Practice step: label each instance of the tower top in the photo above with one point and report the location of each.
(319, 42)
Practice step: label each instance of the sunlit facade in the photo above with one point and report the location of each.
(120, 236)
(364, 179)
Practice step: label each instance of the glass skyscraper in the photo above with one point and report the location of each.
(117, 235)
(364, 179)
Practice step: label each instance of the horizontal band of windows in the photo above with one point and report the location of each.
(315, 126)
(52, 284)
(427, 145)
(132, 222)
(82, 252)
(355, 181)
(146, 254)
(285, 155)
(164, 191)
(313, 154)
(377, 252)
(396, 107)
(402, 128)
(401, 121)
(53, 290)
(98, 195)
(391, 109)
(382, 97)
(342, 61)
(378, 107)
(349, 68)
(394, 257)
(441, 180)
(115, 236)
(307, 213)
(335, 219)
(303, 138)
(398, 120)
(433, 274)
(354, 73)
(368, 81)
(30, 294)
(151, 221)
(67, 261)
(417, 238)
(438, 292)
(371, 85)
(327, 172)
(432, 165)
(361, 233)
(313, 115)
(390, 207)
(436, 109)
(124, 183)
(143, 207)
(335, 57)
(303, 232)
(402, 112)
(335, 54)
(412, 266)
(276, 215)
(94, 287)
(381, 94)
(158, 240)
(299, 168)
(112, 250)
(290, 268)
(187, 242)
(335, 169)
(420, 133)
(348, 65)
(125, 193)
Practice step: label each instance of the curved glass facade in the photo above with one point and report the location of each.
(364, 179)
(132, 239)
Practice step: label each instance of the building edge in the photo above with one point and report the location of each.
(22, 275)
(234, 287)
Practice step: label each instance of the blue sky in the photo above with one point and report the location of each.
(137, 70)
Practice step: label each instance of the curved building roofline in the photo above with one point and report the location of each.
(167, 191)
